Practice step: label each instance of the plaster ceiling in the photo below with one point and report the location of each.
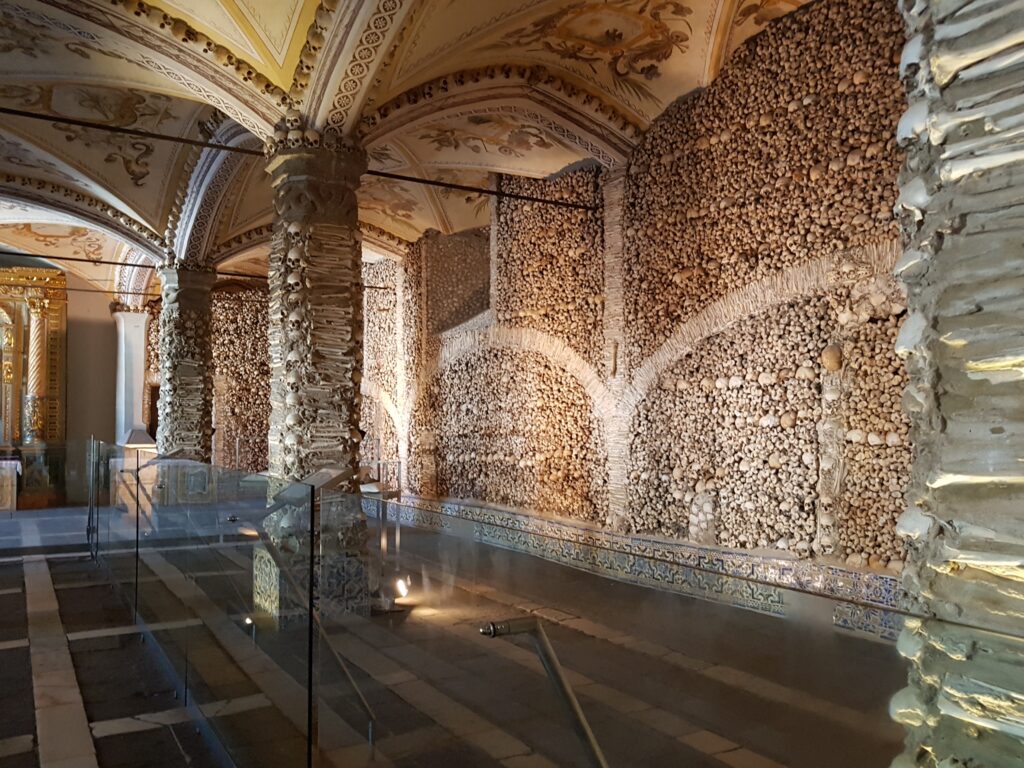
(638, 54)
(267, 33)
(54, 239)
(453, 90)
(134, 174)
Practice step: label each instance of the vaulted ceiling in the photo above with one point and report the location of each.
(447, 89)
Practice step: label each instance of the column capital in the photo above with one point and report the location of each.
(314, 183)
(37, 306)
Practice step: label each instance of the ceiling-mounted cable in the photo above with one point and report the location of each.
(259, 153)
(242, 275)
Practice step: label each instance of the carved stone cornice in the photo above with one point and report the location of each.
(242, 241)
(531, 79)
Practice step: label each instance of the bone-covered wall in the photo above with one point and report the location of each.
(241, 375)
(758, 236)
(549, 271)
(458, 278)
(790, 153)
(510, 427)
(381, 375)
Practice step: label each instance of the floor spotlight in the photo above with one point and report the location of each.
(402, 587)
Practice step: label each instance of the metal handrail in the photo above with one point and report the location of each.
(531, 626)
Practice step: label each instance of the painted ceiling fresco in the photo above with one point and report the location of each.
(121, 169)
(639, 54)
(55, 239)
(452, 90)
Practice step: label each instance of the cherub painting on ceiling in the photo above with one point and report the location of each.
(626, 39)
(482, 134)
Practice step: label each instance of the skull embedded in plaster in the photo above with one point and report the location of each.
(295, 138)
(312, 138)
(293, 258)
(293, 119)
(293, 280)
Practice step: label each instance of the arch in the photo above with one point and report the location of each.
(598, 129)
(458, 345)
(84, 209)
(210, 179)
(371, 389)
(789, 284)
(169, 47)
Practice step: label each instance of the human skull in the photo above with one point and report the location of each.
(293, 120)
(312, 138)
(293, 258)
(294, 280)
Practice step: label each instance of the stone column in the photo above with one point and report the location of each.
(186, 378)
(316, 310)
(35, 384)
(962, 205)
(131, 370)
(316, 355)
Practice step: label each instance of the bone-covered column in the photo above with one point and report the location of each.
(185, 409)
(316, 309)
(962, 205)
(35, 383)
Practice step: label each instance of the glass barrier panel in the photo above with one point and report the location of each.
(689, 666)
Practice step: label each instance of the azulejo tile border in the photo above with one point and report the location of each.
(649, 559)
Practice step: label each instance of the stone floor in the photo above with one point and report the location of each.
(664, 680)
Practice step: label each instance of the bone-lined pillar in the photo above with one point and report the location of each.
(35, 381)
(186, 377)
(316, 310)
(131, 370)
(962, 205)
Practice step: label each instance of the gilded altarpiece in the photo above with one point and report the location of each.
(33, 355)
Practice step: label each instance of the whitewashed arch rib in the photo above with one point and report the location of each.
(801, 281)
(552, 349)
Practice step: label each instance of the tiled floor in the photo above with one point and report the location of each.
(664, 680)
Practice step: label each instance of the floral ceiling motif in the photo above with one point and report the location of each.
(636, 55)
(57, 239)
(128, 108)
(483, 134)
(628, 38)
(75, 241)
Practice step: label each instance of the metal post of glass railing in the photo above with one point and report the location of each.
(533, 628)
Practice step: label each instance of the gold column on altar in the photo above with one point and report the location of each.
(35, 381)
(33, 354)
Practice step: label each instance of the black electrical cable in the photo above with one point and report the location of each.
(4, 252)
(259, 153)
(24, 255)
